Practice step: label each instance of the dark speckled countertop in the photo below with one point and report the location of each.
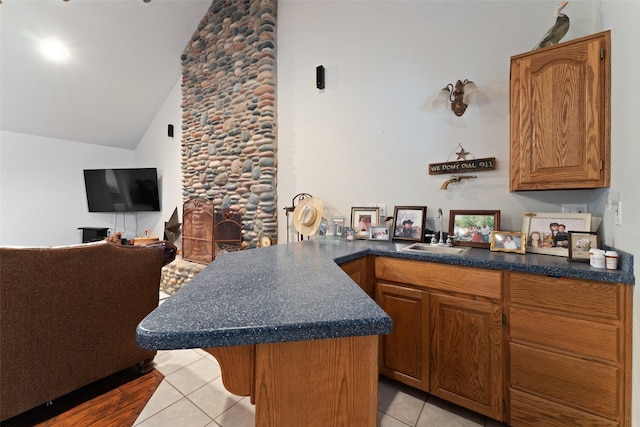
(298, 292)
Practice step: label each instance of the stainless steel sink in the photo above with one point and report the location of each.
(427, 248)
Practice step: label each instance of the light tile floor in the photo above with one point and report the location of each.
(192, 395)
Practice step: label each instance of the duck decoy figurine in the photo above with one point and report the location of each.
(558, 30)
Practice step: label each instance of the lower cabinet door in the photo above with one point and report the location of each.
(404, 353)
(358, 270)
(466, 353)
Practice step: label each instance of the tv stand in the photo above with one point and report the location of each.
(93, 234)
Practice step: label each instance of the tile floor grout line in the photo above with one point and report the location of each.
(227, 410)
(138, 422)
(399, 420)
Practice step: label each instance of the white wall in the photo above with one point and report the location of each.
(622, 18)
(157, 149)
(42, 194)
(370, 135)
(43, 200)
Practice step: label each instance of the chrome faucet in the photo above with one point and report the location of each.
(441, 241)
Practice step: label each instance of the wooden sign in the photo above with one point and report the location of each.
(460, 166)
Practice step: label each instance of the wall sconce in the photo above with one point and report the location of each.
(459, 96)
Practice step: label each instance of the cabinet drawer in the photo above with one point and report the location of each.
(582, 297)
(468, 280)
(583, 337)
(587, 385)
(533, 411)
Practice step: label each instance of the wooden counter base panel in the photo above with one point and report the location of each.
(330, 382)
(238, 368)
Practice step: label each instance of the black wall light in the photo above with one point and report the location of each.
(320, 77)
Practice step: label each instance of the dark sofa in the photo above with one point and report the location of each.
(68, 317)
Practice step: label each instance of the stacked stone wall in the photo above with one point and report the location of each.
(229, 113)
(177, 273)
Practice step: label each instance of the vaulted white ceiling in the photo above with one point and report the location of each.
(124, 59)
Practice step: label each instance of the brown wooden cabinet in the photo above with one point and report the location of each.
(466, 353)
(447, 331)
(560, 116)
(528, 349)
(404, 354)
(569, 351)
(361, 272)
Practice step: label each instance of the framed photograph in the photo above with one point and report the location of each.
(324, 228)
(379, 232)
(408, 223)
(473, 228)
(508, 241)
(548, 233)
(349, 234)
(362, 219)
(580, 242)
(336, 227)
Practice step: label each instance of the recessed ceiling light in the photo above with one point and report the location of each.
(54, 50)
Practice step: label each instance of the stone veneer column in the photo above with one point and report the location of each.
(229, 114)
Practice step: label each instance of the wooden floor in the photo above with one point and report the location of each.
(114, 401)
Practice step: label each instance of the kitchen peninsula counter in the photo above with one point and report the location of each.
(298, 292)
(292, 330)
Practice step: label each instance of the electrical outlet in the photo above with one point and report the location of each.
(619, 214)
(382, 206)
(574, 208)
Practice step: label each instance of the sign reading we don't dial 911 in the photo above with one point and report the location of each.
(474, 165)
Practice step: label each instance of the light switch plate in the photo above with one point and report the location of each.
(382, 206)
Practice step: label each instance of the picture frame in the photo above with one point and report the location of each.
(409, 223)
(337, 227)
(548, 233)
(379, 232)
(508, 241)
(349, 234)
(363, 218)
(580, 242)
(324, 229)
(473, 227)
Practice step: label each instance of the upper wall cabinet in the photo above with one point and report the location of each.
(560, 115)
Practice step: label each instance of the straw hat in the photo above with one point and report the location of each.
(307, 215)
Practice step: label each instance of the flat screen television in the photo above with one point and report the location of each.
(122, 190)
